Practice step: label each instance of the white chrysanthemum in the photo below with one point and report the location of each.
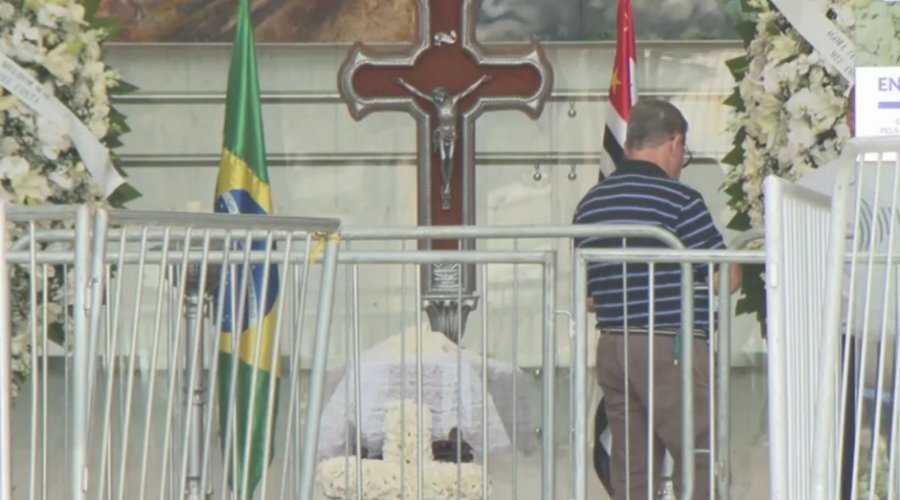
(396, 476)
(794, 106)
(61, 63)
(53, 135)
(7, 11)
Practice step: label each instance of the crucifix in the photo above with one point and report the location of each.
(446, 80)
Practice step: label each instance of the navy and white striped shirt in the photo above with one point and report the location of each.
(639, 192)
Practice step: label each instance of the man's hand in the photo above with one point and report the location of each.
(737, 278)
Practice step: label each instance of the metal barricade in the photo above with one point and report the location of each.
(856, 443)
(797, 222)
(153, 298)
(718, 287)
(5, 383)
(542, 239)
(46, 312)
(226, 284)
(145, 364)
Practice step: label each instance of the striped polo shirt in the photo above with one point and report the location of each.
(640, 192)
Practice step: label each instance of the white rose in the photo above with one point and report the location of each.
(25, 41)
(23, 30)
(60, 63)
(783, 46)
(81, 95)
(93, 69)
(8, 102)
(53, 135)
(12, 167)
(101, 110)
(31, 187)
(8, 146)
(98, 91)
(48, 14)
(7, 11)
(800, 137)
(99, 127)
(76, 12)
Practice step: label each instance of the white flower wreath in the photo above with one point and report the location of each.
(58, 43)
(789, 117)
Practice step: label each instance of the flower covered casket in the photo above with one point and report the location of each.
(397, 474)
(452, 387)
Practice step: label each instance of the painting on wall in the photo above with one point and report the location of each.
(373, 21)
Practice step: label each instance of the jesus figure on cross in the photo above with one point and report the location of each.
(444, 136)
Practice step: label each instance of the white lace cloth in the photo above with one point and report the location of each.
(454, 395)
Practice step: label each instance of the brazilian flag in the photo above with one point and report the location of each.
(243, 188)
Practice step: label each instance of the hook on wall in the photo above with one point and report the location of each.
(572, 111)
(572, 173)
(538, 175)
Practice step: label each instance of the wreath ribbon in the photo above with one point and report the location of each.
(95, 155)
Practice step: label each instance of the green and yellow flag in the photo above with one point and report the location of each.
(243, 188)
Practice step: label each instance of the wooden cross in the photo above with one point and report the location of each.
(446, 80)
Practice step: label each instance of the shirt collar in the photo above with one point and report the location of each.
(641, 167)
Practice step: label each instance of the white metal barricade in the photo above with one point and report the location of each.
(144, 381)
(5, 386)
(355, 442)
(249, 276)
(136, 408)
(857, 446)
(797, 222)
(832, 281)
(44, 300)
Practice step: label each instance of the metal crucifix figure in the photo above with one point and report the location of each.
(445, 80)
(444, 136)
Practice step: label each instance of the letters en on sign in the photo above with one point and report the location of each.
(877, 101)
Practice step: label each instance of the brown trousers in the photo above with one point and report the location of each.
(667, 400)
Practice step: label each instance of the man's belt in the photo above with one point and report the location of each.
(634, 330)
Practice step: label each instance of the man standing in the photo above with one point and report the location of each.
(645, 190)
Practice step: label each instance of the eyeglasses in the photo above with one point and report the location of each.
(688, 157)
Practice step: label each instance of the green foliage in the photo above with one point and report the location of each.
(753, 292)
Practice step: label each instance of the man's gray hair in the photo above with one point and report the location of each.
(653, 122)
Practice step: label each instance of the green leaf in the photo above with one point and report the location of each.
(735, 156)
(734, 100)
(111, 25)
(122, 87)
(124, 194)
(753, 290)
(740, 222)
(57, 334)
(734, 191)
(117, 122)
(112, 141)
(90, 9)
(747, 31)
(738, 67)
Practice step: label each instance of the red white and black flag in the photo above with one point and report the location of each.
(622, 89)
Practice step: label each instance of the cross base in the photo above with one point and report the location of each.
(448, 314)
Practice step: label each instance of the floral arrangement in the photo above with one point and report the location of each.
(788, 110)
(396, 475)
(57, 43)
